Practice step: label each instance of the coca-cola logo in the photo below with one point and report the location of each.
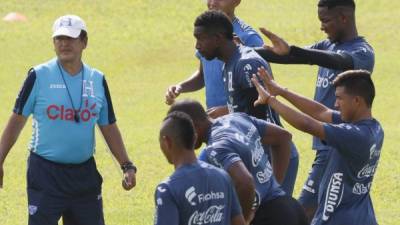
(213, 214)
(367, 171)
(257, 153)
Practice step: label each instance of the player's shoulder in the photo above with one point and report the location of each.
(321, 45)
(241, 25)
(93, 72)
(249, 60)
(244, 31)
(163, 186)
(212, 169)
(45, 68)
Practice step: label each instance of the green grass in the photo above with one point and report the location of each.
(145, 45)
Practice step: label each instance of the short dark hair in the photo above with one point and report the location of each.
(215, 22)
(181, 128)
(357, 82)
(192, 108)
(83, 35)
(334, 3)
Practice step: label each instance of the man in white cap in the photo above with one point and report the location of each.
(67, 98)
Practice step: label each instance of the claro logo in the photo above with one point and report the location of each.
(60, 112)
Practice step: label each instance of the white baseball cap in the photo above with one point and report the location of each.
(68, 25)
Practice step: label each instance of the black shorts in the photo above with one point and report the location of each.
(283, 210)
(72, 192)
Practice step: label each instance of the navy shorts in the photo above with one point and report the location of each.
(309, 194)
(283, 210)
(70, 191)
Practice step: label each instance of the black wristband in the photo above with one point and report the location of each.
(128, 166)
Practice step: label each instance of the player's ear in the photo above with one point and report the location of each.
(237, 2)
(358, 100)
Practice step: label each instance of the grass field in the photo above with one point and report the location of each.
(145, 45)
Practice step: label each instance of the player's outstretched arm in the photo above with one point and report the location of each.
(114, 141)
(304, 104)
(245, 188)
(8, 139)
(297, 119)
(194, 83)
(281, 52)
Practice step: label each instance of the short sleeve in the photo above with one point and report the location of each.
(336, 118)
(222, 154)
(166, 212)
(24, 104)
(363, 58)
(260, 124)
(245, 70)
(319, 45)
(254, 40)
(107, 115)
(348, 140)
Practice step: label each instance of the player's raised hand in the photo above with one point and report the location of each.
(279, 46)
(263, 94)
(269, 83)
(172, 92)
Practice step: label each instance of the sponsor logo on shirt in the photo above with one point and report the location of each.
(257, 153)
(361, 189)
(57, 86)
(367, 171)
(374, 152)
(334, 195)
(213, 214)
(192, 196)
(265, 175)
(325, 81)
(60, 112)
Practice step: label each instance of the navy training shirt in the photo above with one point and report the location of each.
(344, 190)
(237, 137)
(197, 193)
(363, 58)
(242, 94)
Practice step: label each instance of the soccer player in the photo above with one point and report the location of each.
(209, 74)
(235, 142)
(197, 192)
(343, 50)
(67, 99)
(354, 136)
(213, 33)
